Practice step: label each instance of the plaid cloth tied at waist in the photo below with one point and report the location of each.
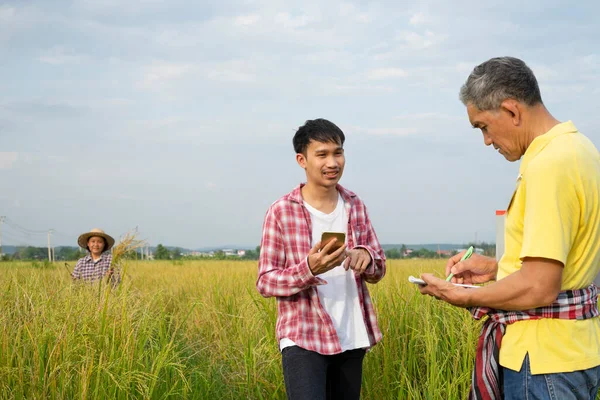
(486, 382)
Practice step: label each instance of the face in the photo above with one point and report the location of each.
(96, 244)
(500, 129)
(323, 162)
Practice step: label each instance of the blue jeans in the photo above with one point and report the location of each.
(578, 385)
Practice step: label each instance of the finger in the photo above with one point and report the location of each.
(341, 259)
(329, 246)
(431, 279)
(358, 264)
(333, 261)
(453, 261)
(347, 264)
(467, 277)
(459, 268)
(339, 252)
(353, 261)
(424, 289)
(315, 248)
(363, 264)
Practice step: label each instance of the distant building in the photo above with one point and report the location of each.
(241, 253)
(198, 254)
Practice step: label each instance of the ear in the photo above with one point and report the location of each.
(301, 160)
(514, 110)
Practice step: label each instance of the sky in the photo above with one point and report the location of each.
(176, 117)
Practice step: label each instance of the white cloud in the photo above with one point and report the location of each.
(386, 131)
(247, 20)
(386, 73)
(465, 67)
(420, 18)
(245, 73)
(6, 13)
(414, 40)
(57, 159)
(590, 61)
(118, 6)
(160, 75)
(428, 116)
(350, 12)
(355, 89)
(544, 72)
(288, 21)
(236, 71)
(8, 159)
(60, 55)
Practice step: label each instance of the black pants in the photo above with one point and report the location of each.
(313, 376)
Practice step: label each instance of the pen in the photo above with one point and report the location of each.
(464, 257)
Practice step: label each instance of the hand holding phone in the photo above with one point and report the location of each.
(324, 258)
(326, 237)
(421, 282)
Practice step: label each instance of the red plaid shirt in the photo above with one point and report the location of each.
(283, 271)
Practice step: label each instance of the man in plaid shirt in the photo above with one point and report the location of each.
(326, 319)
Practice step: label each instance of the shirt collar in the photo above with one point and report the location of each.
(538, 144)
(296, 194)
(88, 257)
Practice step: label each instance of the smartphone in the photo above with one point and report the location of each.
(421, 282)
(326, 237)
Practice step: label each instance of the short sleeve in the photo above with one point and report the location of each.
(552, 209)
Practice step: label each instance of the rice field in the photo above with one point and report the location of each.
(200, 330)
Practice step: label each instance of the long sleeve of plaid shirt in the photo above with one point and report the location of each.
(285, 274)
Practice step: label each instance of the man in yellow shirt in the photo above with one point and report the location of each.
(543, 298)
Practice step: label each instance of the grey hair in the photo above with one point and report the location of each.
(499, 79)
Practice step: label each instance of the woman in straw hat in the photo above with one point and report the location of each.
(97, 263)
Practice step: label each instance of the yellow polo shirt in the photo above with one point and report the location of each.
(555, 214)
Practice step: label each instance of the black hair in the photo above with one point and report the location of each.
(319, 130)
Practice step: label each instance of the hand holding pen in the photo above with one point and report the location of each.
(471, 268)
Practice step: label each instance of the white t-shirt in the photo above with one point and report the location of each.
(339, 297)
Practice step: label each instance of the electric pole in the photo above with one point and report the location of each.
(49, 251)
(1, 221)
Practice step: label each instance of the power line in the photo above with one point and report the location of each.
(21, 236)
(18, 227)
(29, 232)
(12, 238)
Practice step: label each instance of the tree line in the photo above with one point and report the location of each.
(30, 253)
(489, 249)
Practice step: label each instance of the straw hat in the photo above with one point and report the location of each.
(82, 241)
